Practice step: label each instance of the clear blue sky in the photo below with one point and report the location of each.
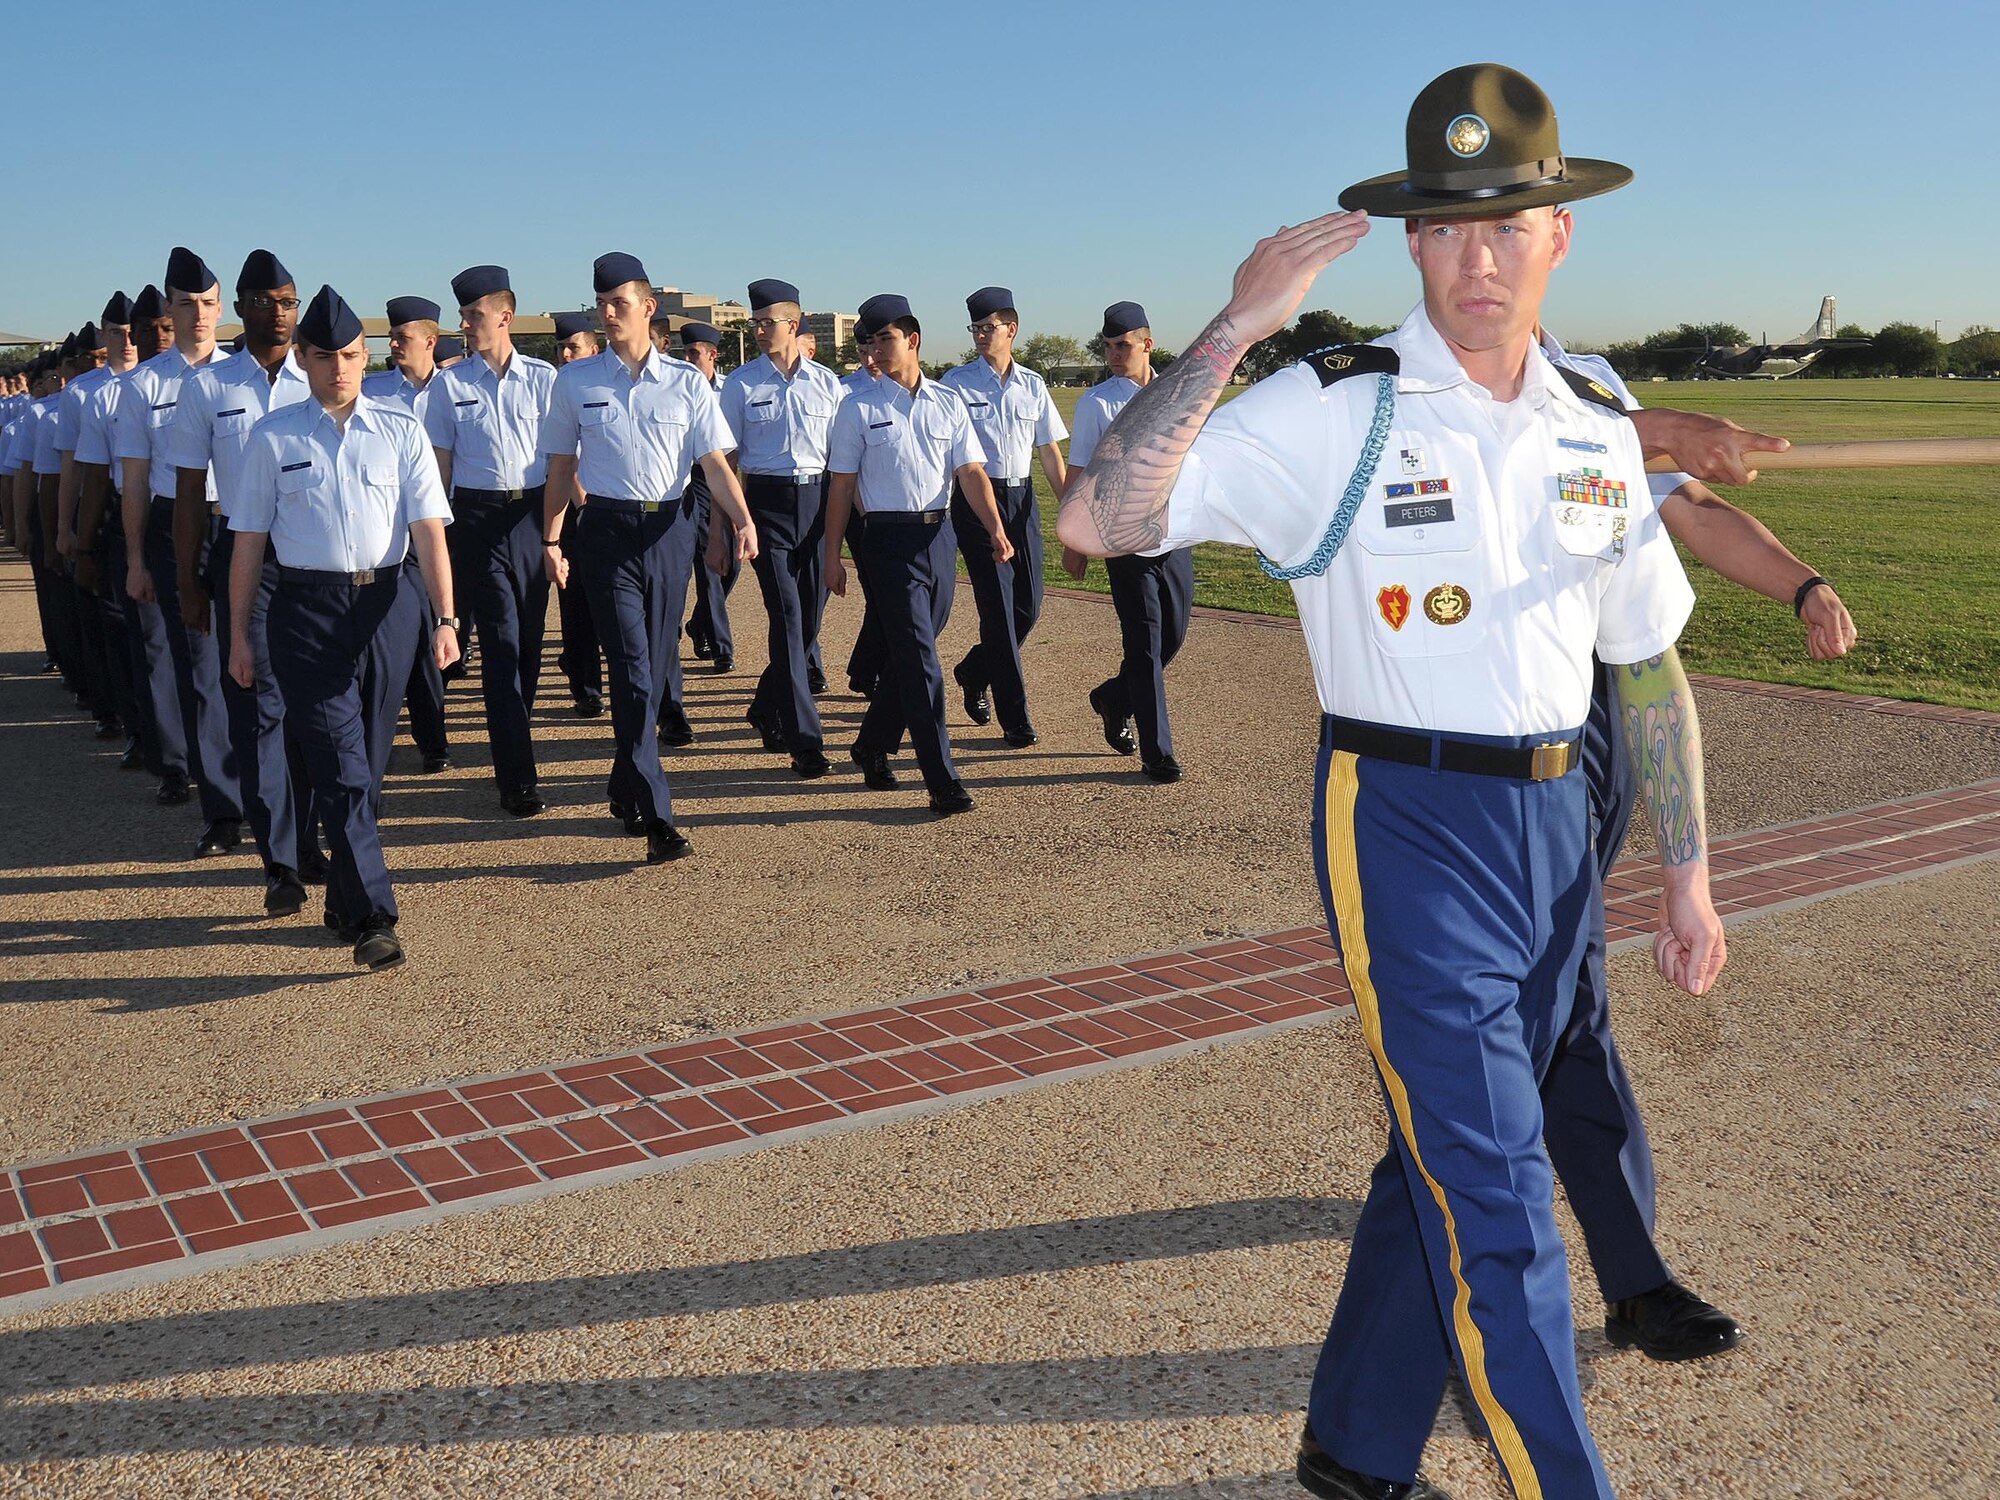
(1079, 152)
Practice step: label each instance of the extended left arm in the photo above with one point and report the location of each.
(1655, 708)
(1741, 548)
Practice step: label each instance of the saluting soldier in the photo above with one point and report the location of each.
(341, 487)
(484, 418)
(581, 661)
(624, 429)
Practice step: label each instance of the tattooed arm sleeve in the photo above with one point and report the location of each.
(1656, 710)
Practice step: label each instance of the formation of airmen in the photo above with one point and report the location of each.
(248, 562)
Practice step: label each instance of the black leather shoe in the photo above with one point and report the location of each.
(1020, 738)
(861, 687)
(522, 804)
(588, 704)
(435, 762)
(773, 736)
(665, 842)
(815, 681)
(1671, 1323)
(134, 757)
(811, 764)
(175, 788)
(675, 730)
(1321, 1476)
(629, 816)
(346, 931)
(701, 646)
(1165, 769)
(978, 707)
(284, 893)
(875, 770)
(953, 799)
(724, 662)
(1117, 727)
(219, 837)
(312, 867)
(379, 948)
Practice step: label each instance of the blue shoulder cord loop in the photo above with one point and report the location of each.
(1350, 500)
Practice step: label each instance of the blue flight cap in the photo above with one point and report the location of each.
(329, 323)
(187, 272)
(69, 346)
(262, 272)
(660, 315)
(701, 333)
(770, 290)
(88, 339)
(989, 300)
(475, 282)
(450, 347)
(117, 312)
(877, 313)
(569, 325)
(1123, 317)
(609, 272)
(412, 310)
(148, 305)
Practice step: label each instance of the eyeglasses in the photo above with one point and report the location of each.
(266, 304)
(765, 325)
(975, 329)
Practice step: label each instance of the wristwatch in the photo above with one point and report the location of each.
(451, 620)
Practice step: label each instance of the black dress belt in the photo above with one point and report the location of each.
(384, 574)
(799, 481)
(1412, 748)
(903, 517)
(497, 497)
(637, 507)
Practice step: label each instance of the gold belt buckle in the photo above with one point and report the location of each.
(651, 507)
(1550, 761)
(365, 577)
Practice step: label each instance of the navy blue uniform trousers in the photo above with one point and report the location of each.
(1463, 906)
(1153, 597)
(277, 788)
(1008, 596)
(708, 626)
(864, 662)
(341, 656)
(635, 566)
(498, 571)
(910, 581)
(581, 663)
(423, 694)
(159, 723)
(196, 664)
(791, 540)
(121, 663)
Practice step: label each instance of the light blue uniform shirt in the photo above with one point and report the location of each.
(634, 439)
(782, 425)
(145, 415)
(857, 380)
(219, 405)
(339, 502)
(904, 446)
(393, 385)
(1013, 417)
(46, 459)
(1094, 411)
(93, 436)
(491, 424)
(70, 406)
(21, 437)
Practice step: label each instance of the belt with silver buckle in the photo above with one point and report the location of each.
(496, 497)
(1548, 761)
(905, 517)
(322, 575)
(641, 507)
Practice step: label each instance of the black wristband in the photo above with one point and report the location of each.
(1799, 599)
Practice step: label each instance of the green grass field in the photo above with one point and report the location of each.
(1914, 552)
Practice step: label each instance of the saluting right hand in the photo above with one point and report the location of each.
(1272, 283)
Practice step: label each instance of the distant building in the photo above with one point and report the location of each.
(834, 330)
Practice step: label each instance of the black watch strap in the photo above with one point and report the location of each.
(1799, 599)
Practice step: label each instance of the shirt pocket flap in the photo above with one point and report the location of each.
(296, 478)
(595, 416)
(378, 471)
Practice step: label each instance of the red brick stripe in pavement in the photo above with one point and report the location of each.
(133, 1212)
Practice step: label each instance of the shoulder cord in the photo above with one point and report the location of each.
(1350, 500)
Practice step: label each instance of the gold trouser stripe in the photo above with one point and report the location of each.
(1343, 783)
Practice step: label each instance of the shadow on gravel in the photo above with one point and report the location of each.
(131, 993)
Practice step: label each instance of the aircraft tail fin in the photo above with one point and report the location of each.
(1824, 327)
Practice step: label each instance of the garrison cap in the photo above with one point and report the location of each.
(261, 272)
(989, 300)
(475, 282)
(1481, 142)
(450, 347)
(660, 315)
(412, 310)
(148, 305)
(878, 312)
(69, 346)
(1123, 317)
(770, 291)
(329, 323)
(187, 272)
(701, 333)
(117, 312)
(609, 272)
(570, 324)
(88, 339)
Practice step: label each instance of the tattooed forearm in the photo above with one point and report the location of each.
(1663, 736)
(1125, 488)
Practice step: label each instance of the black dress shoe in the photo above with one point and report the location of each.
(1166, 769)
(284, 893)
(175, 788)
(312, 867)
(219, 837)
(861, 687)
(1321, 1476)
(815, 681)
(436, 761)
(379, 948)
(346, 931)
(875, 770)
(702, 647)
(108, 728)
(953, 799)
(1671, 1323)
(675, 730)
(629, 816)
(134, 757)
(588, 704)
(1020, 738)
(724, 662)
(1117, 727)
(665, 842)
(522, 804)
(978, 707)
(773, 736)
(811, 764)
